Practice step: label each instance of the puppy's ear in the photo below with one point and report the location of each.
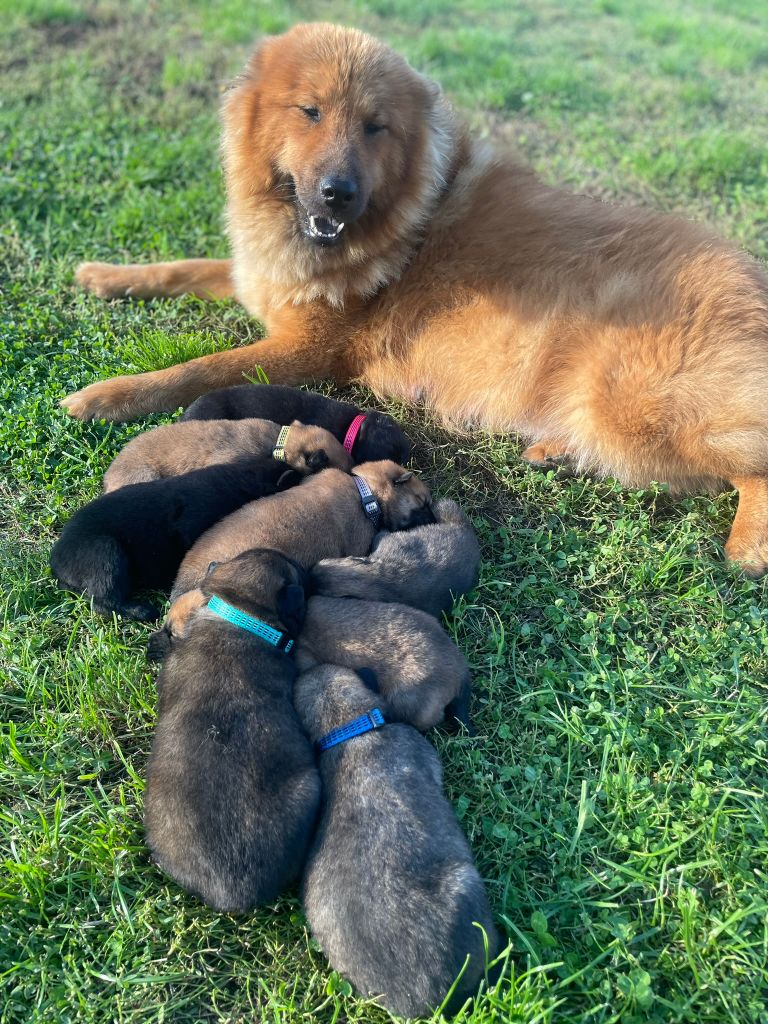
(318, 460)
(159, 645)
(288, 479)
(291, 606)
(369, 677)
(404, 477)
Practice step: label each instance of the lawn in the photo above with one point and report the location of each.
(615, 792)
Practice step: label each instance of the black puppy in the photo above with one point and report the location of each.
(391, 891)
(375, 437)
(137, 536)
(233, 791)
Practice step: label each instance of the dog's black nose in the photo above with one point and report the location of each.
(338, 193)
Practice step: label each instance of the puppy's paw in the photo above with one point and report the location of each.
(114, 399)
(106, 280)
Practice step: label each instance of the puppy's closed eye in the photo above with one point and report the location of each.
(317, 460)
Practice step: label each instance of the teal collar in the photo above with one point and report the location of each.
(251, 624)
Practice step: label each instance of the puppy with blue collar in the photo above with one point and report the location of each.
(233, 791)
(391, 891)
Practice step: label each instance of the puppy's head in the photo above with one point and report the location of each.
(176, 624)
(381, 437)
(264, 583)
(405, 500)
(328, 696)
(309, 449)
(338, 129)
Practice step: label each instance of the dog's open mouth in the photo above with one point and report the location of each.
(325, 229)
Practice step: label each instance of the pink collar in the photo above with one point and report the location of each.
(354, 430)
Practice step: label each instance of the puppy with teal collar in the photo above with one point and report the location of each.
(232, 791)
(391, 891)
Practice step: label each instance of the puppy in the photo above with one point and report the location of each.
(426, 567)
(421, 673)
(136, 536)
(391, 891)
(375, 437)
(182, 447)
(232, 790)
(324, 518)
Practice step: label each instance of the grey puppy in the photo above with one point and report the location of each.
(233, 791)
(420, 671)
(427, 567)
(391, 891)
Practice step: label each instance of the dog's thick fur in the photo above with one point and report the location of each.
(427, 567)
(634, 342)
(420, 672)
(137, 536)
(232, 790)
(379, 436)
(324, 518)
(391, 891)
(177, 448)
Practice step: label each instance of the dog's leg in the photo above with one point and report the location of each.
(457, 711)
(547, 454)
(126, 398)
(748, 542)
(208, 279)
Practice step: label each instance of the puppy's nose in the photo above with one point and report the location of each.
(338, 193)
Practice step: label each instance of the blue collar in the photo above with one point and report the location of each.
(371, 506)
(248, 622)
(371, 720)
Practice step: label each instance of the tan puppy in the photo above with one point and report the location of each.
(324, 518)
(178, 448)
(378, 241)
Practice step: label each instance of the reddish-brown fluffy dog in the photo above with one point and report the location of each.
(378, 242)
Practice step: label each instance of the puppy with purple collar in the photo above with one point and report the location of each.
(233, 791)
(391, 891)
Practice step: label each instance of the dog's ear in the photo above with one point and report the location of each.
(369, 677)
(159, 645)
(290, 478)
(291, 604)
(404, 477)
(318, 460)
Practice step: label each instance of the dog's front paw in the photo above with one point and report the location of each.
(113, 399)
(104, 279)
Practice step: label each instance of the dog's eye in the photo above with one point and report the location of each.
(371, 128)
(311, 112)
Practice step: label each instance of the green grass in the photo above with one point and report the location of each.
(615, 793)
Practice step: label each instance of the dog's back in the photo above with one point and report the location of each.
(391, 891)
(232, 790)
(426, 567)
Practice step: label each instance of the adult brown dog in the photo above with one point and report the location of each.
(378, 242)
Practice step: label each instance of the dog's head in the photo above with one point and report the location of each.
(404, 499)
(309, 449)
(340, 131)
(381, 437)
(262, 582)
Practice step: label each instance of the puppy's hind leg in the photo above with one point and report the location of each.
(457, 711)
